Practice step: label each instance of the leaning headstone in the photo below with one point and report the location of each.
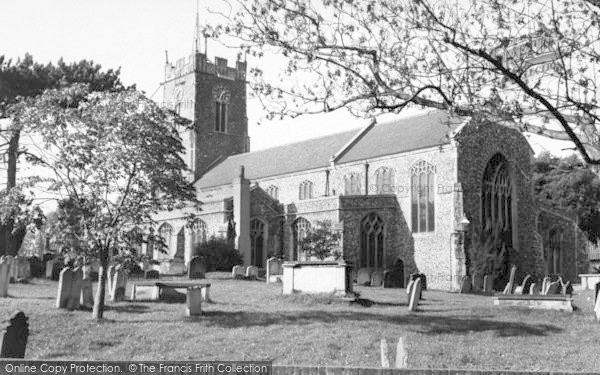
(510, 286)
(487, 284)
(409, 288)
(545, 284)
(194, 301)
(423, 277)
(401, 355)
(377, 278)
(237, 272)
(75, 293)
(553, 288)
(414, 296)
(251, 272)
(87, 293)
(477, 282)
(274, 269)
(13, 339)
(568, 289)
(197, 268)
(526, 284)
(364, 276)
(4, 276)
(65, 283)
(465, 285)
(534, 289)
(151, 275)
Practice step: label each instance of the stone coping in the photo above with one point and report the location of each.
(589, 275)
(315, 263)
(163, 284)
(518, 297)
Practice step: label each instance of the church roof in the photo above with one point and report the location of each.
(394, 137)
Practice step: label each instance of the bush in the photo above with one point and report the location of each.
(219, 254)
(322, 242)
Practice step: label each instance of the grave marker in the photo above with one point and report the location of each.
(4, 276)
(14, 336)
(65, 283)
(487, 284)
(377, 278)
(414, 296)
(465, 285)
(197, 268)
(75, 292)
(87, 292)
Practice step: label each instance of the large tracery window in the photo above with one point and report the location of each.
(385, 180)
(496, 205)
(422, 197)
(166, 232)
(300, 228)
(371, 241)
(198, 230)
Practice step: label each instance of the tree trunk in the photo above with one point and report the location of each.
(98, 311)
(11, 182)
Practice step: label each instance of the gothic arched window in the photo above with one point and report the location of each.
(180, 247)
(257, 242)
(352, 184)
(198, 230)
(371, 241)
(305, 190)
(422, 197)
(301, 227)
(496, 200)
(166, 232)
(385, 180)
(221, 98)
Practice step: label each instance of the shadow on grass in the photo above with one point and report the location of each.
(425, 324)
(129, 308)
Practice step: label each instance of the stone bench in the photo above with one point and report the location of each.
(166, 291)
(552, 302)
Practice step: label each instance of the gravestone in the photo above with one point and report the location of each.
(510, 286)
(50, 268)
(535, 289)
(11, 268)
(274, 270)
(394, 277)
(545, 284)
(553, 288)
(197, 268)
(87, 292)
(75, 293)
(568, 289)
(364, 276)
(65, 283)
(597, 306)
(414, 296)
(119, 284)
(477, 282)
(14, 336)
(194, 301)
(4, 276)
(488, 284)
(151, 275)
(377, 278)
(23, 268)
(110, 277)
(251, 273)
(409, 288)
(422, 276)
(237, 272)
(465, 285)
(526, 284)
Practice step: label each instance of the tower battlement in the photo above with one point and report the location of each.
(197, 62)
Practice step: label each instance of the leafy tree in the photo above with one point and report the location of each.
(219, 254)
(530, 65)
(322, 241)
(114, 158)
(569, 185)
(26, 79)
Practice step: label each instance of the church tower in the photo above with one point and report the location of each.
(213, 96)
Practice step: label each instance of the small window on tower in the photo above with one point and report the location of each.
(220, 117)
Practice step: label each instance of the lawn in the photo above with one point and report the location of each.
(252, 320)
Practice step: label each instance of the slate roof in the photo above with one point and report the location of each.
(388, 138)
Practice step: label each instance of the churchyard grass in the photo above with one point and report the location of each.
(252, 320)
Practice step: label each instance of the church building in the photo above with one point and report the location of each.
(410, 192)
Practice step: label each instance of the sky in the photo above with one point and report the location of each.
(134, 34)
